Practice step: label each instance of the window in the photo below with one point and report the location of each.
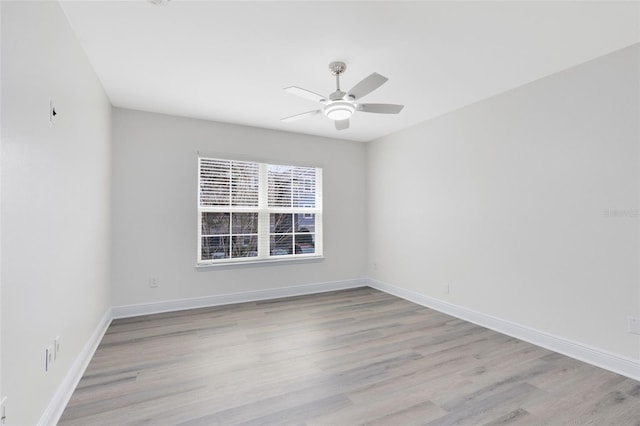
(253, 211)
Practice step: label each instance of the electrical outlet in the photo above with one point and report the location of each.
(153, 282)
(3, 411)
(48, 357)
(634, 325)
(56, 348)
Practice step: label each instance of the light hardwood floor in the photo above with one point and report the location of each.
(341, 358)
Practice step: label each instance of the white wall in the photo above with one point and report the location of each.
(55, 203)
(506, 201)
(154, 206)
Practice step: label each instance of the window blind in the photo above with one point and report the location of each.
(290, 186)
(228, 183)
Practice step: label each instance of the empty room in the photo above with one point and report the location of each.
(319, 212)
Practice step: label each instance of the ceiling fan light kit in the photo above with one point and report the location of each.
(339, 110)
(340, 105)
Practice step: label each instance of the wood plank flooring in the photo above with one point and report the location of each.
(342, 358)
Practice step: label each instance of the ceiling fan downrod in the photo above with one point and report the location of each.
(337, 68)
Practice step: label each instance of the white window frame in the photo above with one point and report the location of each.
(264, 212)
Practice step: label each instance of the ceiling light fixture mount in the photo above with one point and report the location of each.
(159, 2)
(337, 67)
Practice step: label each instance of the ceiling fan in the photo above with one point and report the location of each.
(340, 105)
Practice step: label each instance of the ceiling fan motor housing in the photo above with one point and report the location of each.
(337, 95)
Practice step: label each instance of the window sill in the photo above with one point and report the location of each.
(260, 262)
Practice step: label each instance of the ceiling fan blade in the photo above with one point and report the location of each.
(304, 93)
(342, 124)
(380, 108)
(299, 116)
(366, 86)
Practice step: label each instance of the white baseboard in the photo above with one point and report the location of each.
(618, 364)
(226, 299)
(61, 398)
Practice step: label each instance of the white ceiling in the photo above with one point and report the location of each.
(229, 61)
